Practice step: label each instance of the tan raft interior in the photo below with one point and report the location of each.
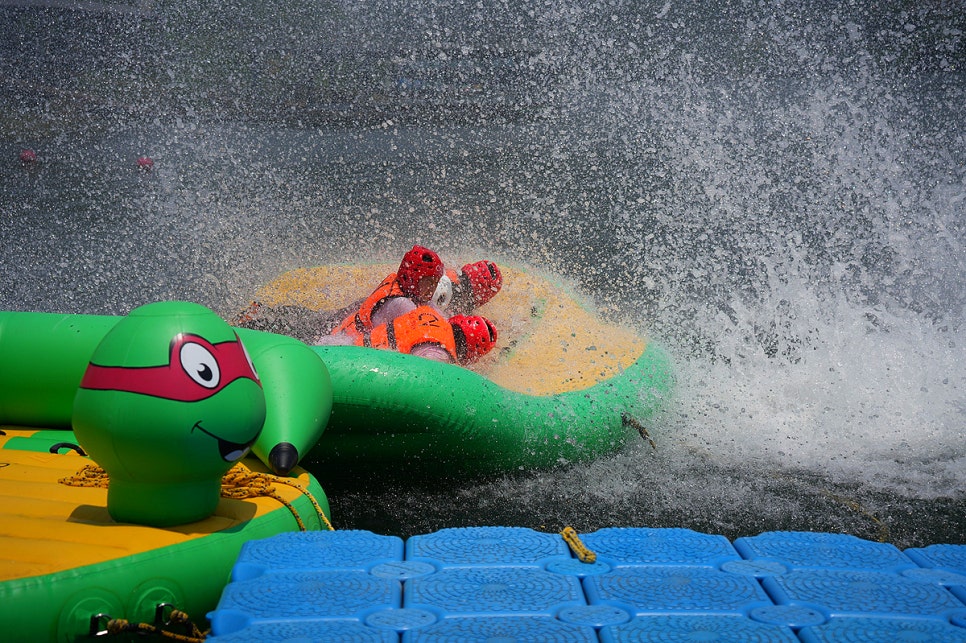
(549, 340)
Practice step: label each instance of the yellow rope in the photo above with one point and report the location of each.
(90, 475)
(577, 546)
(628, 420)
(238, 483)
(881, 527)
(116, 626)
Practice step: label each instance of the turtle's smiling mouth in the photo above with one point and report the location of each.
(230, 451)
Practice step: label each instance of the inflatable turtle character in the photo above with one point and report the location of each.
(169, 401)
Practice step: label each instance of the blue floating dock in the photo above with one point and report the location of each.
(516, 584)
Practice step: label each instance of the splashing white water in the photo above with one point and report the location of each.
(776, 193)
(869, 395)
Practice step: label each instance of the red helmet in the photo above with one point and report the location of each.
(478, 333)
(485, 280)
(418, 263)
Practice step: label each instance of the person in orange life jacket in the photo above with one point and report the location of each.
(412, 285)
(471, 287)
(458, 292)
(425, 332)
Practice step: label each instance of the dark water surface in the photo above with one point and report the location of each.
(776, 193)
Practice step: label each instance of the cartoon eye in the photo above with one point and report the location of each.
(200, 365)
(248, 357)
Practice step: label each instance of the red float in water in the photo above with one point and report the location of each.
(145, 163)
(28, 157)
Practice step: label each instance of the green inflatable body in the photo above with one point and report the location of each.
(396, 411)
(169, 402)
(165, 400)
(562, 386)
(46, 354)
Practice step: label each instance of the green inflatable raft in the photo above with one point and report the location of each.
(68, 568)
(563, 385)
(51, 351)
(167, 403)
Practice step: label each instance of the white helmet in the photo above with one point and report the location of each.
(443, 296)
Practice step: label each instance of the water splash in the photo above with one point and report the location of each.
(776, 192)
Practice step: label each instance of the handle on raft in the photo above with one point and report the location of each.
(298, 397)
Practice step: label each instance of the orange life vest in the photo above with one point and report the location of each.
(360, 322)
(422, 325)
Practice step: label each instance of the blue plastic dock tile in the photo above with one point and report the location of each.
(646, 546)
(513, 583)
(486, 546)
(858, 593)
(402, 570)
(308, 632)
(951, 558)
(793, 616)
(401, 620)
(316, 550)
(950, 580)
(473, 591)
(878, 630)
(802, 550)
(574, 567)
(533, 629)
(596, 616)
(303, 595)
(756, 568)
(688, 629)
(675, 589)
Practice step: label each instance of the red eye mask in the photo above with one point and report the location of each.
(196, 370)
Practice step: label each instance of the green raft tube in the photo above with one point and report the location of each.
(165, 402)
(562, 386)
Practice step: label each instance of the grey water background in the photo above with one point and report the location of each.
(774, 191)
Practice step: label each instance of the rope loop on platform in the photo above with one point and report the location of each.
(631, 421)
(238, 483)
(580, 550)
(90, 475)
(119, 626)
